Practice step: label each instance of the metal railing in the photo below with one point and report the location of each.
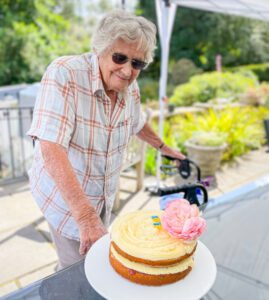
(16, 148)
(12, 90)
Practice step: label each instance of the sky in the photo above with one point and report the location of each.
(129, 5)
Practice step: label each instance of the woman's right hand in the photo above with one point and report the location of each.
(91, 229)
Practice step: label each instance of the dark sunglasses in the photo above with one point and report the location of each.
(121, 59)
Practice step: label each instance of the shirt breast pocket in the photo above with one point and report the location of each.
(123, 132)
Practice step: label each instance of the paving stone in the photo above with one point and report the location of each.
(137, 202)
(23, 250)
(14, 188)
(18, 210)
(43, 229)
(40, 273)
(8, 288)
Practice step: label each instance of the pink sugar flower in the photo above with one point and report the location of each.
(181, 220)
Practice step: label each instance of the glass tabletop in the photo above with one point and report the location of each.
(237, 235)
(70, 283)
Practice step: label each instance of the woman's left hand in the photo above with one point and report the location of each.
(172, 152)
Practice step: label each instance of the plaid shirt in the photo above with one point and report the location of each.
(73, 110)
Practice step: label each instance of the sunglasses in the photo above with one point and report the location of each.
(121, 59)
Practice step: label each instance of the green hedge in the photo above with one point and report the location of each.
(211, 85)
(260, 70)
(149, 89)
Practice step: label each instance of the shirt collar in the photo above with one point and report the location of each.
(97, 83)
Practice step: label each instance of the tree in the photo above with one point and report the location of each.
(33, 33)
(199, 35)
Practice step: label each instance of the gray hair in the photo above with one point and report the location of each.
(128, 27)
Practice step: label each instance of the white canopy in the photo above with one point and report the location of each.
(166, 10)
(256, 9)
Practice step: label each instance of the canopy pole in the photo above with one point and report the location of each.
(165, 16)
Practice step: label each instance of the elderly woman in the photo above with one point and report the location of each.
(87, 109)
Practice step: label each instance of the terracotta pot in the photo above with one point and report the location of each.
(207, 158)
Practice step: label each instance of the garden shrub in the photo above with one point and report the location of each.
(242, 125)
(183, 70)
(208, 138)
(207, 86)
(149, 89)
(260, 70)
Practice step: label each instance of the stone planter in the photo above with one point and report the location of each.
(208, 158)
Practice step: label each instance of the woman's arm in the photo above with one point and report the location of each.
(148, 135)
(59, 168)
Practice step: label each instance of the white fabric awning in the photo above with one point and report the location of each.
(256, 9)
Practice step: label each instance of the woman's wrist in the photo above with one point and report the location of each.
(161, 146)
(82, 211)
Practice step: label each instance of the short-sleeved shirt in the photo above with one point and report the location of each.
(73, 110)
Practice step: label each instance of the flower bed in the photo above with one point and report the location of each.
(243, 127)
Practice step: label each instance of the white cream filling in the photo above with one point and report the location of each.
(146, 269)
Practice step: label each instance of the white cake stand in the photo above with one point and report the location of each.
(112, 286)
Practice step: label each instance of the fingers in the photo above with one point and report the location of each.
(98, 234)
(84, 247)
(87, 242)
(91, 229)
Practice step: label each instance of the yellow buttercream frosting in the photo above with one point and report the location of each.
(146, 269)
(135, 234)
